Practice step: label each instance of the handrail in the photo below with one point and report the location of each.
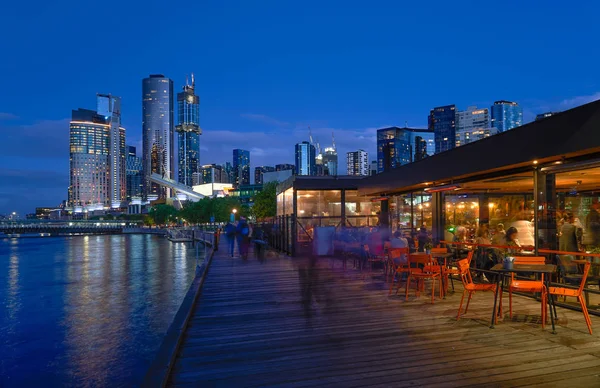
(521, 248)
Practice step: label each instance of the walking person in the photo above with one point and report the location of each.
(230, 234)
(243, 237)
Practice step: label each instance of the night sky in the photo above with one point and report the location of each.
(266, 70)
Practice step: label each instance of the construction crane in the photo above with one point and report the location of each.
(333, 140)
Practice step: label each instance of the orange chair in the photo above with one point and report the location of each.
(431, 270)
(577, 293)
(464, 269)
(397, 269)
(531, 286)
(449, 271)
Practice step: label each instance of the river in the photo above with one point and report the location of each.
(87, 310)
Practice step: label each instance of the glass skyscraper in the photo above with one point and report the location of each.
(305, 159)
(330, 161)
(442, 121)
(188, 133)
(506, 115)
(398, 146)
(258, 173)
(110, 107)
(134, 173)
(472, 124)
(241, 167)
(157, 131)
(89, 141)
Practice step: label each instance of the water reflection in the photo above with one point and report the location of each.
(87, 311)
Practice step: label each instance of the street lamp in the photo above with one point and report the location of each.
(232, 216)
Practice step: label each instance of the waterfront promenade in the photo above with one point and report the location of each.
(249, 328)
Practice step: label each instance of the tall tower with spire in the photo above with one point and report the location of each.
(330, 158)
(188, 132)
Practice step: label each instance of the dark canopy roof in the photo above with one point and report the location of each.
(567, 134)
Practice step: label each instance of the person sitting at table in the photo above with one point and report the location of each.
(398, 241)
(511, 240)
(423, 238)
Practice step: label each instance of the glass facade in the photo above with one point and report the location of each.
(188, 134)
(305, 159)
(241, 167)
(157, 130)
(89, 172)
(134, 173)
(442, 121)
(259, 171)
(399, 146)
(472, 125)
(506, 115)
(330, 161)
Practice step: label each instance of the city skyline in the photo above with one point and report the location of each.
(265, 103)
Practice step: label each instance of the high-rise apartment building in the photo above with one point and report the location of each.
(109, 106)
(357, 163)
(305, 159)
(213, 173)
(89, 167)
(258, 173)
(330, 161)
(285, 166)
(506, 115)
(134, 173)
(472, 124)
(398, 146)
(241, 167)
(442, 121)
(157, 131)
(374, 167)
(188, 133)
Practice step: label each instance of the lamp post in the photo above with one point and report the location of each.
(232, 215)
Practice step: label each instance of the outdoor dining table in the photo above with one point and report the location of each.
(439, 256)
(520, 269)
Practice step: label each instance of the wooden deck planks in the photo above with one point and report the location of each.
(250, 329)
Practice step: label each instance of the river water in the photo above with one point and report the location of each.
(87, 310)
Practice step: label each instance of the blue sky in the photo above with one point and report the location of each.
(266, 70)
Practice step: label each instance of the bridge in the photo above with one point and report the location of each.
(176, 186)
(69, 227)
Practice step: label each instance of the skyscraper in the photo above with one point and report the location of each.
(188, 133)
(241, 167)
(213, 173)
(398, 146)
(89, 168)
(442, 121)
(110, 107)
(285, 166)
(259, 171)
(357, 163)
(506, 115)
(305, 159)
(157, 131)
(472, 125)
(330, 161)
(134, 174)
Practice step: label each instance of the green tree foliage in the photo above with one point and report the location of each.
(265, 202)
(163, 214)
(220, 208)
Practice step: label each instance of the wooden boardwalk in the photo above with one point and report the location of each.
(251, 329)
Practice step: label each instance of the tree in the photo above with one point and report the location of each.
(163, 214)
(265, 202)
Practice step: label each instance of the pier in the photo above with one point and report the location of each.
(249, 327)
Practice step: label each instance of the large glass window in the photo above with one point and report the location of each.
(319, 203)
(422, 216)
(289, 201)
(280, 208)
(360, 205)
